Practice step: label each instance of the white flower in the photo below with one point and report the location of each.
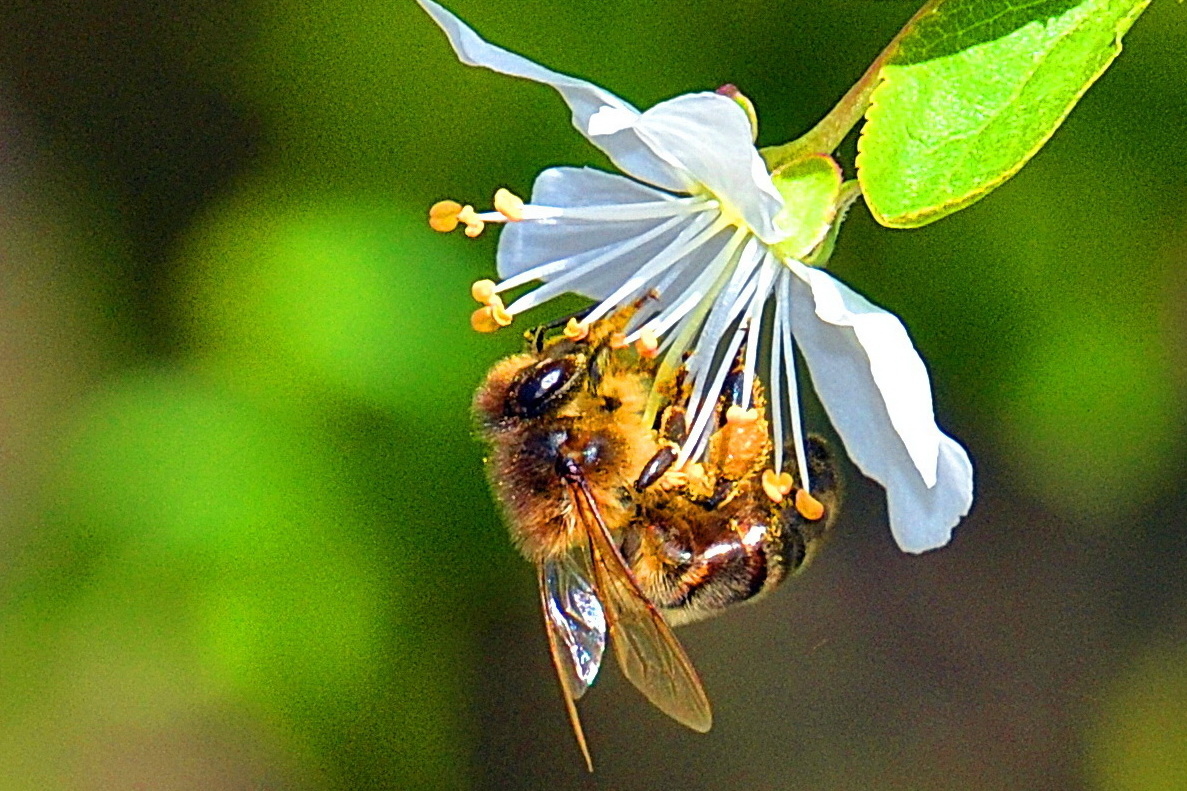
(695, 224)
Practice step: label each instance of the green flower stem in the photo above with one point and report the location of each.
(826, 136)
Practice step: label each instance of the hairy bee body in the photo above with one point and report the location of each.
(624, 544)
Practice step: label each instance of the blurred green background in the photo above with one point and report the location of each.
(245, 539)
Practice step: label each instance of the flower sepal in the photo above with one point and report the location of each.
(811, 190)
(818, 258)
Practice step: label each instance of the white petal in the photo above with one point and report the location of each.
(611, 117)
(922, 518)
(609, 120)
(875, 388)
(880, 351)
(708, 136)
(525, 245)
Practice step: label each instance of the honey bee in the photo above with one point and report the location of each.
(624, 545)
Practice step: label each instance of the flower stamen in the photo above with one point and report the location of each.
(776, 485)
(509, 205)
(490, 318)
(576, 330)
(484, 291)
(809, 507)
(443, 215)
(647, 344)
(471, 219)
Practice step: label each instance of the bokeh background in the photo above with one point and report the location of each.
(245, 539)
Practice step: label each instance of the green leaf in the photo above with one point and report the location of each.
(972, 92)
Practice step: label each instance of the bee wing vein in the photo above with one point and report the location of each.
(649, 654)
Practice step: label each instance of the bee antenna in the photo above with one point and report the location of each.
(535, 338)
(537, 335)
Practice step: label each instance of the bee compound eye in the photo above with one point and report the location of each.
(543, 387)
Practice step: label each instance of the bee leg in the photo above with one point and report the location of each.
(800, 539)
(670, 426)
(740, 446)
(723, 490)
(655, 468)
(603, 331)
(732, 393)
(822, 472)
(595, 369)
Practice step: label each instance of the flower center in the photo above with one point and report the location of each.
(729, 215)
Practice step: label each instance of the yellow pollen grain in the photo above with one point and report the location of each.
(737, 416)
(618, 340)
(776, 485)
(576, 331)
(809, 507)
(483, 291)
(443, 215)
(509, 205)
(694, 474)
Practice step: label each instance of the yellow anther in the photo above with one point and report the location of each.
(647, 344)
(443, 215)
(482, 320)
(500, 314)
(576, 331)
(737, 416)
(483, 291)
(509, 205)
(809, 507)
(495, 303)
(618, 340)
(469, 217)
(490, 318)
(776, 485)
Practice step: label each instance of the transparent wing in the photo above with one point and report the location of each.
(647, 651)
(576, 627)
(575, 616)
